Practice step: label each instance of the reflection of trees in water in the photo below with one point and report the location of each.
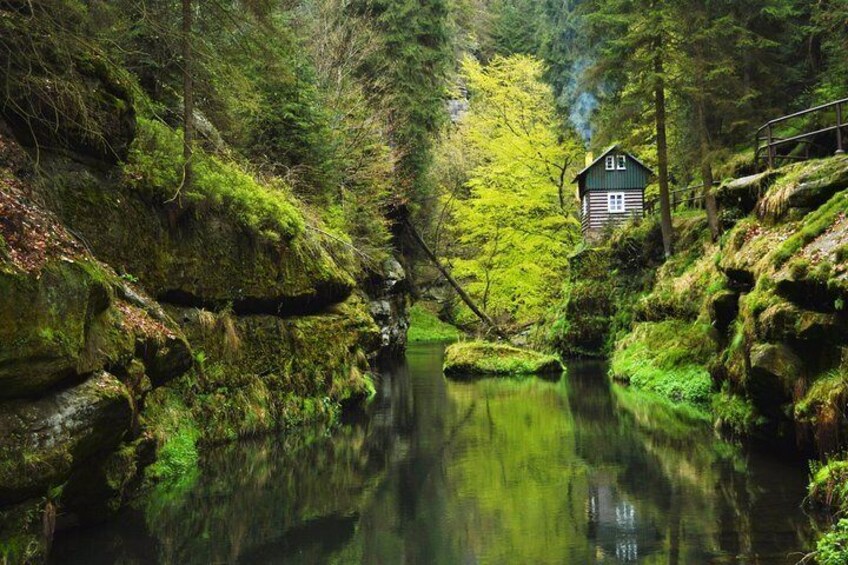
(441, 472)
(693, 496)
(296, 495)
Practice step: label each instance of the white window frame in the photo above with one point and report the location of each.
(621, 163)
(615, 203)
(585, 205)
(610, 162)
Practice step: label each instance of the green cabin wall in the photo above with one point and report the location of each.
(598, 178)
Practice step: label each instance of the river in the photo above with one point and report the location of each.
(526, 471)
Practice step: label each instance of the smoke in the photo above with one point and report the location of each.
(581, 102)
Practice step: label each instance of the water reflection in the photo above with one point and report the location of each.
(495, 471)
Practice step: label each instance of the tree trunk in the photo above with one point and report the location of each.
(188, 94)
(707, 172)
(459, 290)
(710, 201)
(662, 150)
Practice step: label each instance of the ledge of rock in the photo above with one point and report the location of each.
(42, 441)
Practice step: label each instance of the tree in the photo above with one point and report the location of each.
(410, 68)
(634, 39)
(512, 223)
(188, 94)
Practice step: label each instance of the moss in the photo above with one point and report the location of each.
(176, 432)
(668, 358)
(259, 373)
(832, 548)
(483, 358)
(822, 409)
(169, 246)
(829, 485)
(154, 167)
(21, 533)
(425, 326)
(734, 414)
(44, 321)
(814, 225)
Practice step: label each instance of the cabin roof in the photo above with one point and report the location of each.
(607, 152)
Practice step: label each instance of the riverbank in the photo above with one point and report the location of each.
(495, 460)
(750, 330)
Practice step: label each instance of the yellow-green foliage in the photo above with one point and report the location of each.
(829, 485)
(668, 358)
(734, 413)
(155, 168)
(832, 548)
(426, 326)
(481, 358)
(512, 236)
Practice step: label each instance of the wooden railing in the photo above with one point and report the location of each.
(768, 143)
(688, 197)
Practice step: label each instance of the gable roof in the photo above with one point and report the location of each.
(607, 152)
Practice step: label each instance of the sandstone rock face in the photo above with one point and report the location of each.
(41, 442)
(44, 321)
(775, 368)
(183, 260)
(388, 306)
(75, 346)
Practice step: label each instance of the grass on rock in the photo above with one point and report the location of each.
(425, 326)
(484, 358)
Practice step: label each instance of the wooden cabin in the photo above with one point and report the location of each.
(611, 190)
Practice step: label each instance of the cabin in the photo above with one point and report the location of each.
(611, 190)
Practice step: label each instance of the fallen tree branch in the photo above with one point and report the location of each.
(459, 290)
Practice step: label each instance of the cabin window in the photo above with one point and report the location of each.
(610, 163)
(615, 202)
(621, 163)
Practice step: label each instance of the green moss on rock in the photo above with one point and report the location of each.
(425, 326)
(258, 373)
(669, 358)
(41, 442)
(475, 358)
(194, 250)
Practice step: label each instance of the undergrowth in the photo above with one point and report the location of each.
(668, 358)
(424, 326)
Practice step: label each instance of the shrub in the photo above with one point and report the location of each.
(832, 548)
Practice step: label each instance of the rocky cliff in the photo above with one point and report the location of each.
(140, 319)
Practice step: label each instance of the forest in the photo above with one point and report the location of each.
(227, 221)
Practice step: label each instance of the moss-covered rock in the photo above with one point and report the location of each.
(739, 196)
(259, 372)
(476, 358)
(194, 253)
(669, 358)
(804, 187)
(41, 442)
(45, 319)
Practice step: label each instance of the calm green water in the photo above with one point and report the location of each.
(496, 471)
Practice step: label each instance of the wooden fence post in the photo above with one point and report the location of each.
(839, 149)
(770, 148)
